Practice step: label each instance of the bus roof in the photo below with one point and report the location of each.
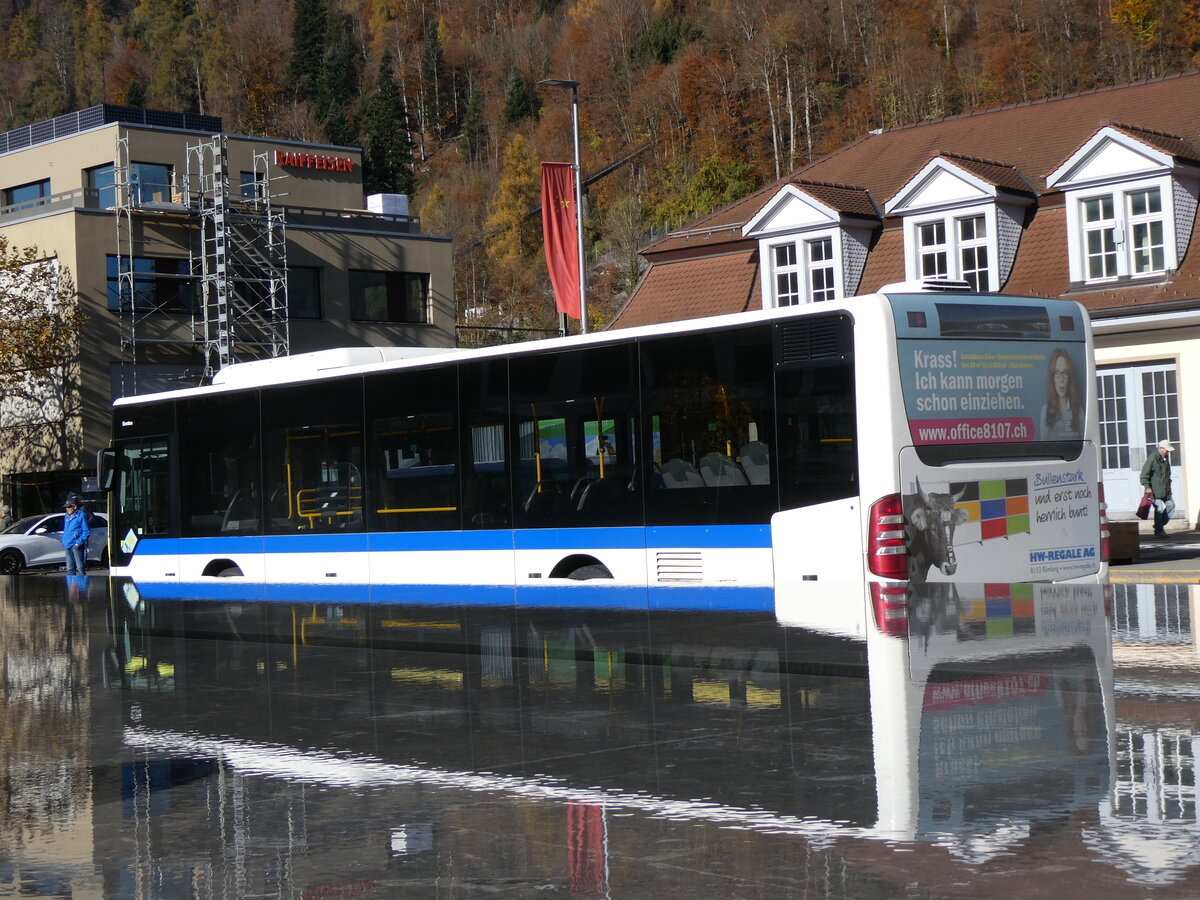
(322, 364)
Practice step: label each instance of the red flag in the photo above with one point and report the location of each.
(560, 235)
(586, 851)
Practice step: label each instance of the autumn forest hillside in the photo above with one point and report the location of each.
(685, 104)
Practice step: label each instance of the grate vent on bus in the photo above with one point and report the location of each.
(680, 565)
(812, 339)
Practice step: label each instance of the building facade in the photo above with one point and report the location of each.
(1091, 197)
(189, 249)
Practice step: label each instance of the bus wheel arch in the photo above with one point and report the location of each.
(580, 567)
(222, 568)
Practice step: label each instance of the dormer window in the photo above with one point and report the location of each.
(813, 241)
(962, 220)
(955, 247)
(804, 271)
(1131, 202)
(1123, 232)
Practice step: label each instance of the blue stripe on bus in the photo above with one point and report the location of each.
(628, 538)
(575, 595)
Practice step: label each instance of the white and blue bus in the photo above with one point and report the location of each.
(902, 437)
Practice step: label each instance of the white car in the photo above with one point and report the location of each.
(37, 541)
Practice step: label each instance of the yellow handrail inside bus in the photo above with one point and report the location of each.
(599, 402)
(307, 497)
(537, 448)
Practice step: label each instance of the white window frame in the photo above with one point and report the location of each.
(823, 267)
(1122, 227)
(955, 244)
(1147, 220)
(786, 276)
(979, 276)
(803, 269)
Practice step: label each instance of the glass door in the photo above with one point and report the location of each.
(140, 505)
(1139, 406)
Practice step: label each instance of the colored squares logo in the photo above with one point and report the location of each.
(1005, 610)
(999, 506)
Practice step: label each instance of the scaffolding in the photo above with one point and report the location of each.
(240, 259)
(235, 283)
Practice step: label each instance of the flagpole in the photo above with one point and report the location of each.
(574, 86)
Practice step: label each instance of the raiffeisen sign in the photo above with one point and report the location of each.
(313, 161)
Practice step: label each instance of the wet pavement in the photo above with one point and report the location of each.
(998, 740)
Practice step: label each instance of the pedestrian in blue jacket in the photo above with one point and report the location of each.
(75, 538)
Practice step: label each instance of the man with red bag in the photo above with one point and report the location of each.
(1156, 476)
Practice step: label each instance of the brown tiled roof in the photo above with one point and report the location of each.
(845, 198)
(1040, 269)
(694, 288)
(1029, 141)
(1171, 144)
(885, 263)
(1002, 176)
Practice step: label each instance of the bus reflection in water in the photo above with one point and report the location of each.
(982, 711)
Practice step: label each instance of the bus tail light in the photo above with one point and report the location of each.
(890, 603)
(1104, 536)
(887, 551)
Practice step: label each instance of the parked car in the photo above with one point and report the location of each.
(37, 541)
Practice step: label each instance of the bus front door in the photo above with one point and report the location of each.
(140, 521)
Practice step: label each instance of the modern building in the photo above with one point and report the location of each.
(189, 249)
(1091, 197)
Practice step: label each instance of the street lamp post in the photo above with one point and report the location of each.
(574, 86)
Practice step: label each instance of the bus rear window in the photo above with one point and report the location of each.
(992, 320)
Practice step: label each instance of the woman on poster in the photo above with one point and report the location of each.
(1061, 417)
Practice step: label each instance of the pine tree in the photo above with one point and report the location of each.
(308, 48)
(519, 100)
(387, 151)
(337, 84)
(431, 71)
(472, 129)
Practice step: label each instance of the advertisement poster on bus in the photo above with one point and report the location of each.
(1009, 522)
(993, 391)
(1001, 521)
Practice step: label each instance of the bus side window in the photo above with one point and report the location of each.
(710, 415)
(314, 457)
(218, 447)
(483, 444)
(818, 435)
(574, 417)
(413, 440)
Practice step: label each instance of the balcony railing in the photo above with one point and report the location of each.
(160, 198)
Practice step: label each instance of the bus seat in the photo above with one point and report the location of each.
(543, 505)
(719, 470)
(756, 462)
(677, 473)
(578, 492)
(605, 495)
